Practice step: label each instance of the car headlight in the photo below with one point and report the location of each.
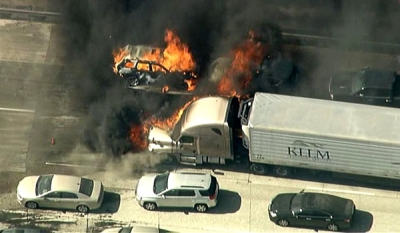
(272, 213)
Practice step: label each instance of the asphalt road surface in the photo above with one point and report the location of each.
(40, 127)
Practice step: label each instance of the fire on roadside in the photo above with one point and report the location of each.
(245, 58)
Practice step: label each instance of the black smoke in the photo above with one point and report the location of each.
(93, 29)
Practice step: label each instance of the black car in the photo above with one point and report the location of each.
(312, 210)
(153, 76)
(366, 86)
(24, 230)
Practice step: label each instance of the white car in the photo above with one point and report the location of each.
(60, 192)
(178, 190)
(132, 229)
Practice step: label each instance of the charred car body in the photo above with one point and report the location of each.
(152, 76)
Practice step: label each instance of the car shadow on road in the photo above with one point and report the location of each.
(362, 222)
(229, 202)
(111, 204)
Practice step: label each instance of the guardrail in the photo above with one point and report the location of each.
(29, 15)
(300, 39)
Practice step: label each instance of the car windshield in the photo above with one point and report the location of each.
(296, 201)
(43, 184)
(86, 187)
(357, 82)
(126, 230)
(160, 183)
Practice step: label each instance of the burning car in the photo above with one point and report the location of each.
(170, 69)
(152, 76)
(272, 74)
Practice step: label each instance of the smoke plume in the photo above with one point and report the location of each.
(93, 29)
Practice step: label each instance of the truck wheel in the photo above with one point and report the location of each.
(258, 169)
(282, 171)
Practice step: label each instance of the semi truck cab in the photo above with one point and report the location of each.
(204, 134)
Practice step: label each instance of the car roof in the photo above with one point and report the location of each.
(189, 180)
(65, 183)
(378, 78)
(321, 201)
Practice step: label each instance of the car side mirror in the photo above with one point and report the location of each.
(163, 196)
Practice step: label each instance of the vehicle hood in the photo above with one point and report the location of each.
(341, 84)
(26, 187)
(112, 230)
(145, 186)
(281, 203)
(159, 140)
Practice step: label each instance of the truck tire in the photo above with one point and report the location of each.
(282, 171)
(258, 169)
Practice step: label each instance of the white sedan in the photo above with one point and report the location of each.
(60, 192)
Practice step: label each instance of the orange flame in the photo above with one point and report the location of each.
(118, 55)
(175, 57)
(138, 133)
(170, 122)
(138, 137)
(245, 58)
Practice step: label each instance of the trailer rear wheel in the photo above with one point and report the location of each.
(258, 169)
(282, 171)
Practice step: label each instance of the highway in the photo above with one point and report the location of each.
(244, 199)
(40, 128)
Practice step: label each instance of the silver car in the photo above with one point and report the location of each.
(60, 192)
(132, 229)
(176, 189)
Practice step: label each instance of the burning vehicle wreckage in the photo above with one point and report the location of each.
(152, 69)
(254, 65)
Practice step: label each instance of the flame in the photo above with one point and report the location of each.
(138, 133)
(165, 89)
(138, 136)
(175, 57)
(118, 55)
(191, 84)
(246, 57)
(170, 122)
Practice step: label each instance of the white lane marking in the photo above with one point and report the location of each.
(69, 165)
(17, 110)
(340, 191)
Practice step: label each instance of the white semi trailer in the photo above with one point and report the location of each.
(283, 133)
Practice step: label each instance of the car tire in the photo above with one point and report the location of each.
(82, 208)
(31, 205)
(258, 169)
(150, 206)
(282, 171)
(332, 227)
(283, 223)
(201, 208)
